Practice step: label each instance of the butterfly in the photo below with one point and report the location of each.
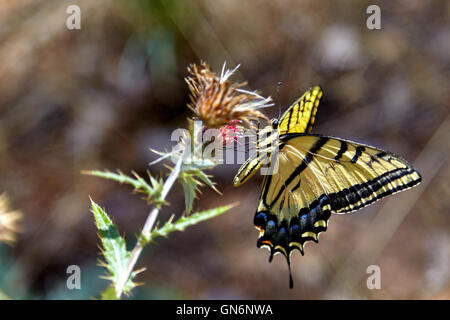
(315, 176)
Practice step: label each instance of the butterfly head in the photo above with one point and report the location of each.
(274, 123)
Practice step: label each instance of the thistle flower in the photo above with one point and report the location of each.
(217, 102)
(8, 221)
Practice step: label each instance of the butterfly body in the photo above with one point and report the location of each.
(314, 176)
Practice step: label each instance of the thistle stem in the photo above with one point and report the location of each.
(148, 226)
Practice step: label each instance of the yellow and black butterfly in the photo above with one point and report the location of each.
(316, 176)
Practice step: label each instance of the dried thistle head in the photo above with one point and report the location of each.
(217, 102)
(8, 221)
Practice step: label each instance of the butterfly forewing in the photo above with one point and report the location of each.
(300, 117)
(354, 175)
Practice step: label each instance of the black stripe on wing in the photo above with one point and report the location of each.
(361, 195)
(302, 166)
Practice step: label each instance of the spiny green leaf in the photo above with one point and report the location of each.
(186, 221)
(138, 184)
(205, 178)
(114, 247)
(154, 190)
(190, 186)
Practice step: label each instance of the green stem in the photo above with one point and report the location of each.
(148, 226)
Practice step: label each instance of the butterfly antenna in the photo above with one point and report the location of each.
(279, 84)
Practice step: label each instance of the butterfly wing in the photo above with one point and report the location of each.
(248, 169)
(298, 118)
(266, 142)
(317, 176)
(301, 114)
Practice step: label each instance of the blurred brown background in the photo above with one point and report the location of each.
(100, 97)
